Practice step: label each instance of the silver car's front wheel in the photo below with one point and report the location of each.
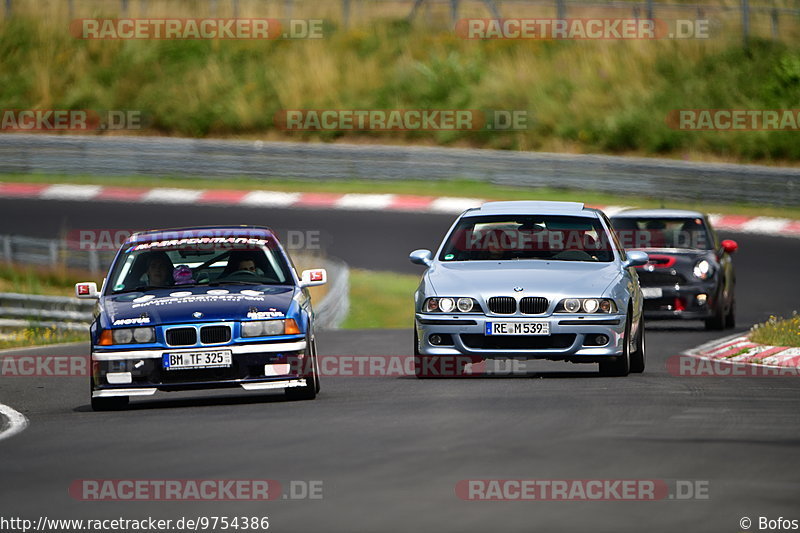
(621, 365)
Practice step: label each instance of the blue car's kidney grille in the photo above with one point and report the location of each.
(503, 305)
(533, 305)
(182, 336)
(215, 334)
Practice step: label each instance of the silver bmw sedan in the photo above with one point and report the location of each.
(529, 280)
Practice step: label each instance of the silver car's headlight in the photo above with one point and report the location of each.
(451, 305)
(133, 335)
(702, 269)
(586, 305)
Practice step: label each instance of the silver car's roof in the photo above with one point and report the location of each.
(658, 213)
(531, 207)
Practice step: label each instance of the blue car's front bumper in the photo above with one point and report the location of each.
(255, 366)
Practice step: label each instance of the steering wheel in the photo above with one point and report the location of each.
(246, 272)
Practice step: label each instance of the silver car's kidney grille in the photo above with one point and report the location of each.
(503, 305)
(533, 305)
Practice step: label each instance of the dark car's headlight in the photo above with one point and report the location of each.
(127, 336)
(702, 269)
(451, 305)
(586, 305)
(267, 328)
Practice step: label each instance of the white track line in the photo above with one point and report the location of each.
(16, 422)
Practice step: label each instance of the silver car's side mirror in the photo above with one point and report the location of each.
(636, 258)
(421, 257)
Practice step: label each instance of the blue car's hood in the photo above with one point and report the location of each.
(178, 305)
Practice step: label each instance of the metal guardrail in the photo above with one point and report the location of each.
(332, 310)
(156, 156)
(66, 312)
(52, 253)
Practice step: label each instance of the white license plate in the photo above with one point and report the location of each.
(651, 292)
(187, 360)
(517, 328)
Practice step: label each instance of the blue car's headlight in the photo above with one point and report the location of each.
(586, 305)
(133, 335)
(451, 305)
(267, 328)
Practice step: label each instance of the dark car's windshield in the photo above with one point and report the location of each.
(199, 261)
(508, 237)
(682, 233)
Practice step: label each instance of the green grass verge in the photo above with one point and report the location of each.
(381, 300)
(777, 331)
(461, 188)
(581, 96)
(35, 336)
(30, 280)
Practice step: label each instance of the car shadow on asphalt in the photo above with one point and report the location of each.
(197, 401)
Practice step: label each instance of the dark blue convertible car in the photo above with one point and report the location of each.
(201, 308)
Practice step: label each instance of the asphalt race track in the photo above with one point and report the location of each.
(390, 451)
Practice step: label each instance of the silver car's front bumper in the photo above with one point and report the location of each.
(567, 340)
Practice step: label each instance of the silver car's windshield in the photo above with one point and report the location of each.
(509, 237)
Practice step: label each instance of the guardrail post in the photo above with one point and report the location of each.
(94, 262)
(7, 254)
(453, 12)
(746, 22)
(649, 9)
(287, 9)
(774, 19)
(236, 9)
(124, 8)
(345, 13)
(561, 10)
(53, 253)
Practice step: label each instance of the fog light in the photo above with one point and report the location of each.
(601, 340)
(701, 299)
(436, 340)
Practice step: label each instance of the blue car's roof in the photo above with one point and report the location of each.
(202, 231)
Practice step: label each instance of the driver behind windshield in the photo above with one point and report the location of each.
(247, 264)
(159, 269)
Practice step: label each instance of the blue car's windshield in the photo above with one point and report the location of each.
(204, 261)
(509, 237)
